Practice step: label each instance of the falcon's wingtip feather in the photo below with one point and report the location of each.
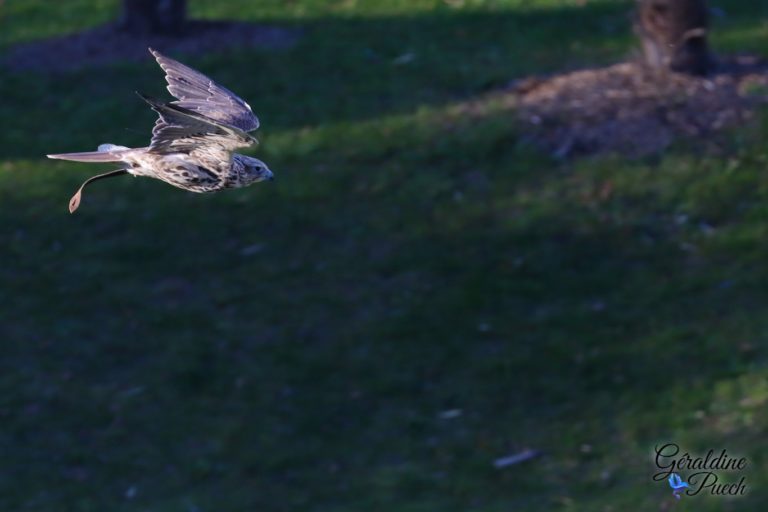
(152, 101)
(161, 59)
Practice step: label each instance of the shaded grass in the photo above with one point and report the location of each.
(291, 346)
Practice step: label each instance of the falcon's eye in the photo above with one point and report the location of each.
(258, 167)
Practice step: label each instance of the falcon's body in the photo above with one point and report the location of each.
(193, 141)
(198, 171)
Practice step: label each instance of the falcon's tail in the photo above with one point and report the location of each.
(106, 153)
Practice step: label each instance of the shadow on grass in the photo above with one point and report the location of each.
(307, 336)
(285, 375)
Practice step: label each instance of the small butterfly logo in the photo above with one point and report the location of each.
(677, 484)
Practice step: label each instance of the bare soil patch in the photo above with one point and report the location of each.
(629, 109)
(106, 44)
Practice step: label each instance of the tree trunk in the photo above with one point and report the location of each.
(154, 16)
(674, 35)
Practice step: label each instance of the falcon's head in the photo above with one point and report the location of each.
(254, 170)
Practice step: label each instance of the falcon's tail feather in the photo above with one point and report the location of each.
(106, 153)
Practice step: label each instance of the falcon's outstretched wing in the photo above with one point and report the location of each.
(198, 93)
(180, 130)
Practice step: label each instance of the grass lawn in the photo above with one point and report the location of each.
(296, 345)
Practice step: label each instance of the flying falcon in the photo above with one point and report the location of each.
(193, 141)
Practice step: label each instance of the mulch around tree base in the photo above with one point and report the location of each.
(106, 44)
(632, 110)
